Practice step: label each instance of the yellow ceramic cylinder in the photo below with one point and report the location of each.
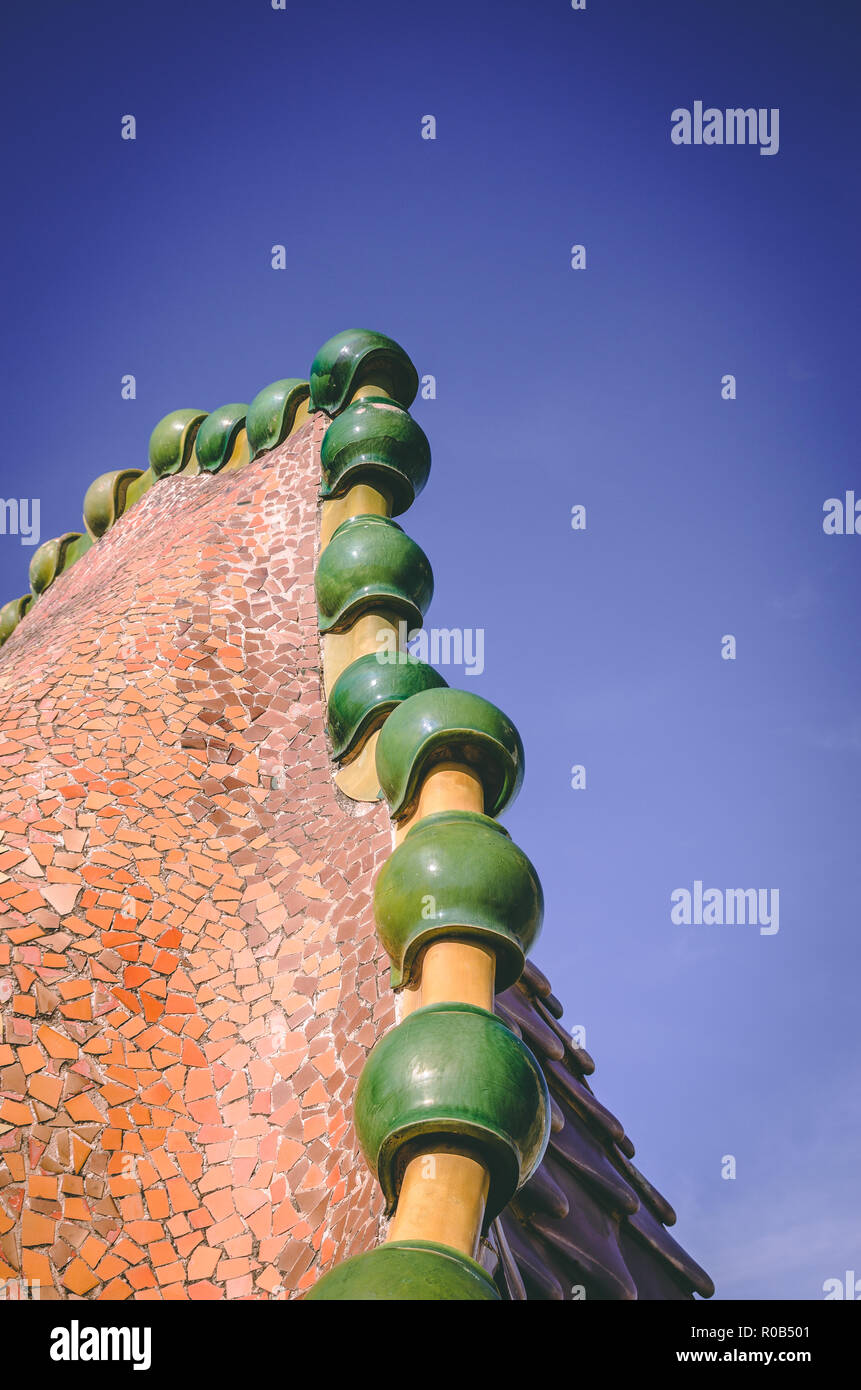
(363, 499)
(443, 1198)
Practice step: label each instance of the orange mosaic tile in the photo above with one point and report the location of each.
(189, 971)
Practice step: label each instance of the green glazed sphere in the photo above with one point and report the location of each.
(406, 1271)
(55, 556)
(366, 692)
(375, 441)
(453, 1076)
(448, 726)
(370, 563)
(457, 875)
(44, 566)
(217, 434)
(105, 499)
(11, 614)
(172, 441)
(346, 360)
(272, 412)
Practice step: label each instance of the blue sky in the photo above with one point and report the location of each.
(555, 387)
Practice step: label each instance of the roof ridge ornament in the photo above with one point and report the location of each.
(184, 441)
(360, 362)
(452, 1110)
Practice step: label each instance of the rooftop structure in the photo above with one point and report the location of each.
(271, 1026)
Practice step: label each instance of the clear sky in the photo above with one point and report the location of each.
(555, 387)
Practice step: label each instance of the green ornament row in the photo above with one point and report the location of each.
(451, 1077)
(482, 887)
(387, 447)
(457, 874)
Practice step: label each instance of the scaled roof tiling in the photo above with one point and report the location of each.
(587, 1224)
